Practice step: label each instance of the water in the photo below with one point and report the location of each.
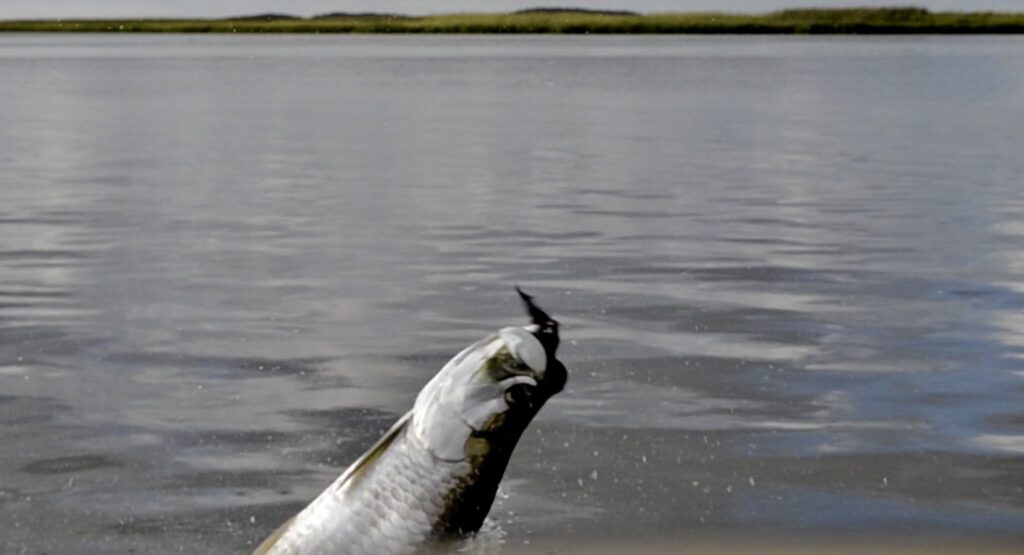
(790, 273)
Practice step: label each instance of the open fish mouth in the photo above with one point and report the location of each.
(546, 331)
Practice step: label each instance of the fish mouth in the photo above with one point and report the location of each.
(552, 379)
(526, 377)
(555, 377)
(546, 331)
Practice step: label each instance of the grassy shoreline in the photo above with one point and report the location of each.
(804, 21)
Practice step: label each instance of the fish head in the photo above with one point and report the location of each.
(480, 402)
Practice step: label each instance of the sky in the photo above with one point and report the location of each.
(14, 9)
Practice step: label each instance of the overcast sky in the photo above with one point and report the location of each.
(10, 9)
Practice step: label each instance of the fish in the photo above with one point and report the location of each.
(429, 482)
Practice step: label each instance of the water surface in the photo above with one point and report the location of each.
(790, 273)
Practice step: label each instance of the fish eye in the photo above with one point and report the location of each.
(518, 393)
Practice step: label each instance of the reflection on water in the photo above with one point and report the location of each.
(790, 274)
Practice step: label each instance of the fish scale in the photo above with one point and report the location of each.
(388, 512)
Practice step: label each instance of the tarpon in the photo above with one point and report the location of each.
(430, 481)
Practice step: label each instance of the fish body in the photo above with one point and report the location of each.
(431, 480)
(392, 506)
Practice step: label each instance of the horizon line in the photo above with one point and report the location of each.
(271, 15)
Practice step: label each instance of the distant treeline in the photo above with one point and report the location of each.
(565, 20)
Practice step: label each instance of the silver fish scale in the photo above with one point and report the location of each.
(390, 508)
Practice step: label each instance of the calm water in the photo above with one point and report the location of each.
(790, 273)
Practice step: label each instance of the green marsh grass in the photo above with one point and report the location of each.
(803, 21)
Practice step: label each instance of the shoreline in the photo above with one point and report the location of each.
(880, 21)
